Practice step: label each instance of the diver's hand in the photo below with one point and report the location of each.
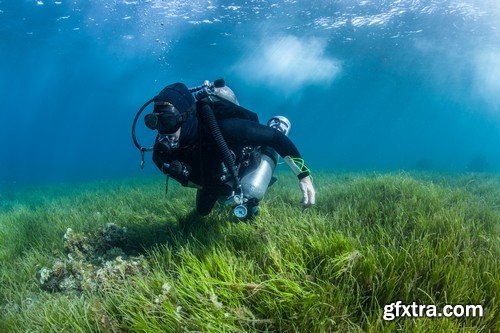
(176, 169)
(162, 150)
(308, 193)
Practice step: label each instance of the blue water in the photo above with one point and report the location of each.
(368, 85)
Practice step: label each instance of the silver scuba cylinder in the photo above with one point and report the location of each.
(217, 88)
(226, 93)
(255, 183)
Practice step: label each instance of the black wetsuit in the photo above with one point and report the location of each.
(198, 153)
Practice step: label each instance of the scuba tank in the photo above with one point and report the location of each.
(226, 93)
(255, 182)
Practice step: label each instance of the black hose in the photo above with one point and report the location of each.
(208, 115)
(134, 137)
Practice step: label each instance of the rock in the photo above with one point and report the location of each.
(92, 263)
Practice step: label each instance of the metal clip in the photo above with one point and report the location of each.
(142, 158)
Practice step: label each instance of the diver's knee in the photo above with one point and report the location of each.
(205, 201)
(203, 212)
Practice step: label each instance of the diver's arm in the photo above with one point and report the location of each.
(224, 109)
(242, 132)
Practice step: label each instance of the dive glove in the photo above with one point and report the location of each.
(308, 193)
(176, 169)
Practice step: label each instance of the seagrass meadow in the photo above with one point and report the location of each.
(372, 239)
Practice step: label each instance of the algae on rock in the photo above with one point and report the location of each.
(93, 262)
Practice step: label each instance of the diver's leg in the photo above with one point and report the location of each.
(205, 201)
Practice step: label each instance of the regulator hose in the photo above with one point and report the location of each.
(208, 115)
(141, 148)
(134, 124)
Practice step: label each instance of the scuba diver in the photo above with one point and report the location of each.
(206, 140)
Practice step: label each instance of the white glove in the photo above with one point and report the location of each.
(308, 193)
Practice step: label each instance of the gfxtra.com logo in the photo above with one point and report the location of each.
(414, 310)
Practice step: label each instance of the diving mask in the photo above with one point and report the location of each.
(165, 118)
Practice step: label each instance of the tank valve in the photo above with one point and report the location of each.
(238, 199)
